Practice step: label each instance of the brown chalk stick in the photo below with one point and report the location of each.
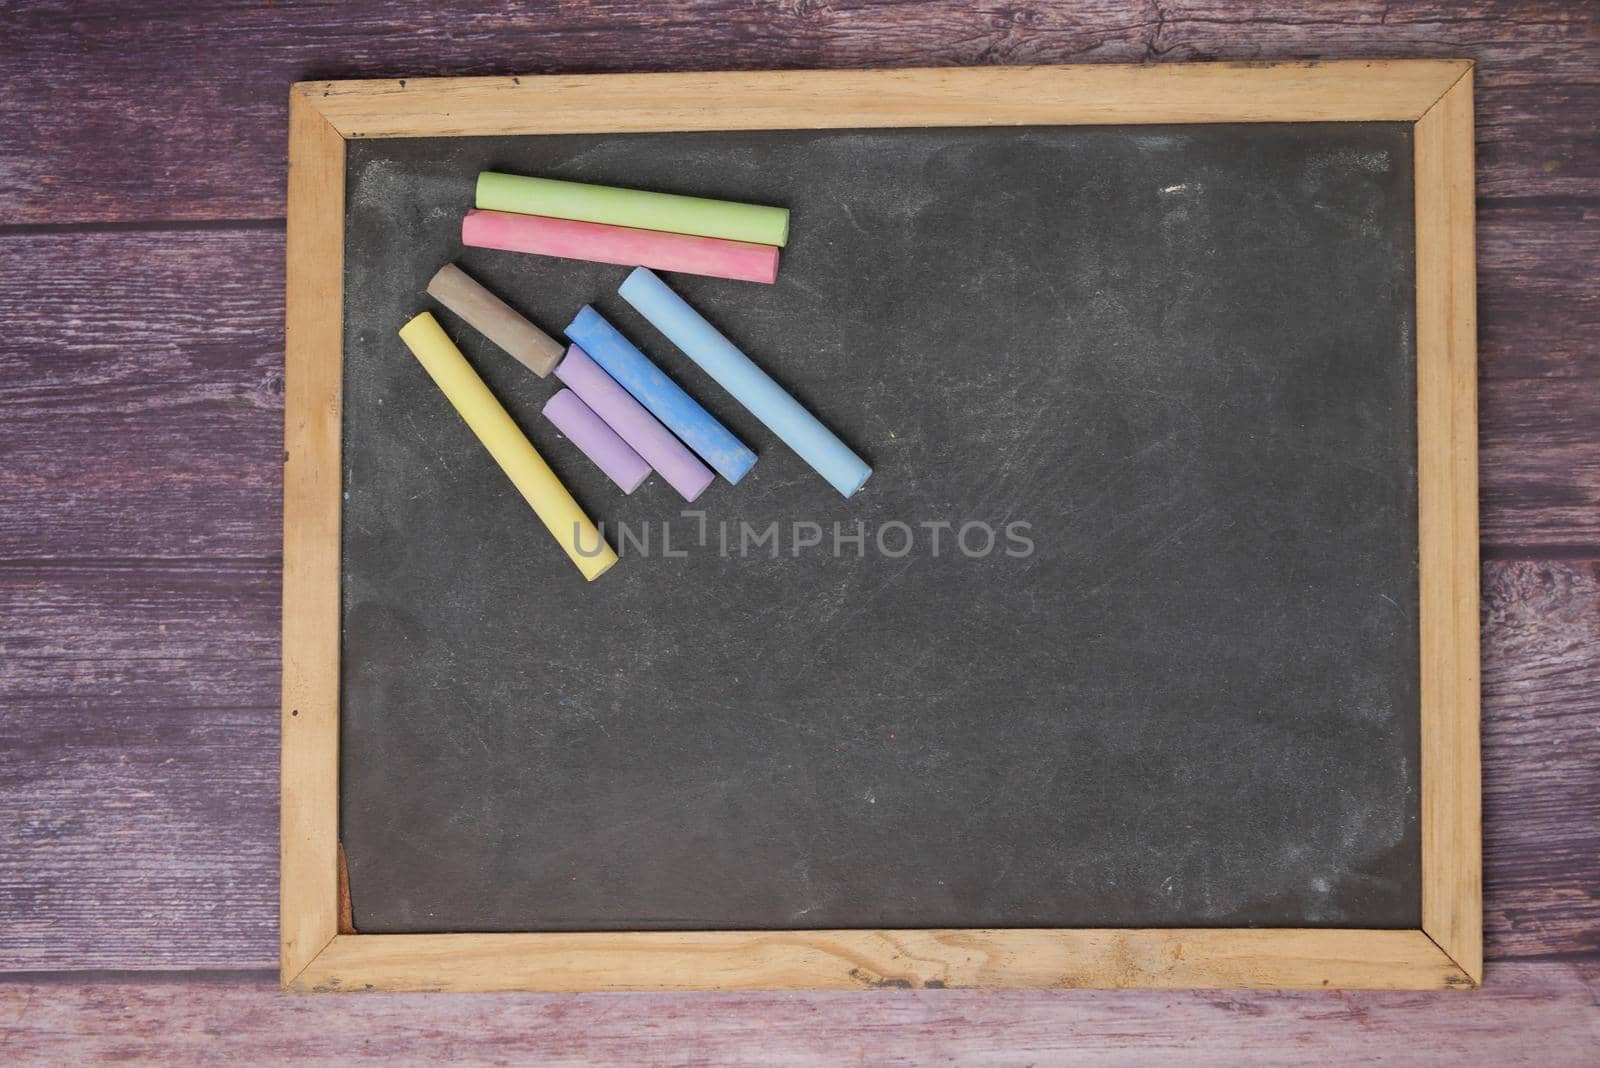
(495, 320)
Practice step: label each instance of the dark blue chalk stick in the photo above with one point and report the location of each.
(679, 412)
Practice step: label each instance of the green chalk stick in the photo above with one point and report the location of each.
(633, 207)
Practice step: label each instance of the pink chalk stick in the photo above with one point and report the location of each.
(596, 440)
(714, 257)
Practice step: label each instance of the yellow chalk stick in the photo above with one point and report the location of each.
(510, 448)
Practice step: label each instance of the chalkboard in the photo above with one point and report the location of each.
(1171, 370)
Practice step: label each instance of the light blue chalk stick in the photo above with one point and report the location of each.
(749, 384)
(679, 412)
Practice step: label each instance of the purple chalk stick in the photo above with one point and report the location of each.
(642, 431)
(598, 441)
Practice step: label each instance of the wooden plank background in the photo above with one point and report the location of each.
(142, 158)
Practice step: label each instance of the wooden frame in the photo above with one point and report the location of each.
(1434, 95)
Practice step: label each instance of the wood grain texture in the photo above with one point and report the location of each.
(1539, 467)
(1436, 95)
(1529, 1013)
(1447, 518)
(122, 681)
(170, 346)
(138, 793)
(857, 960)
(220, 156)
(1538, 309)
(1341, 91)
(138, 790)
(141, 392)
(1541, 748)
(188, 317)
(308, 876)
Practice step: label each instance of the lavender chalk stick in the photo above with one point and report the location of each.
(596, 440)
(641, 430)
(665, 399)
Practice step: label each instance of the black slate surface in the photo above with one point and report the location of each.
(1182, 356)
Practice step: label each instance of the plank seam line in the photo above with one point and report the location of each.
(1513, 552)
(113, 226)
(152, 976)
(181, 564)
